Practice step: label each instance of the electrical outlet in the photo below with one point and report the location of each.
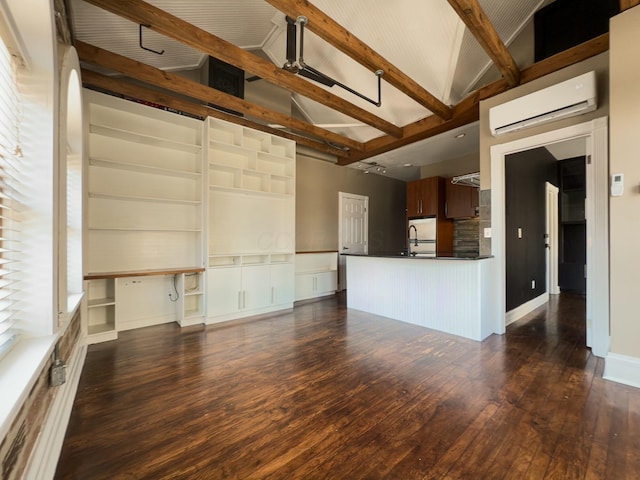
(58, 373)
(487, 232)
(519, 233)
(533, 284)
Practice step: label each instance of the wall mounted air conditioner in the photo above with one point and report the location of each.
(566, 99)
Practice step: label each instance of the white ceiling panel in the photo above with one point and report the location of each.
(509, 18)
(416, 37)
(244, 23)
(451, 145)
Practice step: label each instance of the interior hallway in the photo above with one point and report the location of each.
(325, 392)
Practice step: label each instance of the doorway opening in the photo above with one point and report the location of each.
(545, 224)
(594, 136)
(353, 230)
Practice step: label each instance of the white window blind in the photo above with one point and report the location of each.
(11, 169)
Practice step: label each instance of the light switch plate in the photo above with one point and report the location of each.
(487, 232)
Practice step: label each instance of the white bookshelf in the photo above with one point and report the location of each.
(242, 159)
(251, 222)
(145, 212)
(101, 303)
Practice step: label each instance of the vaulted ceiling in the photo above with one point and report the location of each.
(433, 54)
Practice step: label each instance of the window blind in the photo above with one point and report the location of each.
(10, 168)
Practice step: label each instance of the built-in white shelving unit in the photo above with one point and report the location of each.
(101, 323)
(251, 222)
(316, 274)
(146, 211)
(187, 221)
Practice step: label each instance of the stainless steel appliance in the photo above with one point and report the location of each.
(422, 237)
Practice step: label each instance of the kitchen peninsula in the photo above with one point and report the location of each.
(449, 294)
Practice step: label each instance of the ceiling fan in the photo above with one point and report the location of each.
(299, 67)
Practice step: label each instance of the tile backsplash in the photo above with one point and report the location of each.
(466, 237)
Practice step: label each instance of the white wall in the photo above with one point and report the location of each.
(625, 210)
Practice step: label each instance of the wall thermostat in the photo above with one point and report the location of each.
(617, 184)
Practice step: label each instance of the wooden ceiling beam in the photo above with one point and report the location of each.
(143, 13)
(128, 89)
(338, 36)
(627, 4)
(483, 30)
(175, 83)
(467, 110)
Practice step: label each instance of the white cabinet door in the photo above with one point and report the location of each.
(326, 282)
(224, 291)
(256, 287)
(282, 284)
(305, 284)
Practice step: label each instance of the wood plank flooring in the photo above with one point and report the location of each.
(330, 393)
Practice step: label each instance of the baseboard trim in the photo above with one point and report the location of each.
(248, 314)
(524, 309)
(622, 369)
(46, 451)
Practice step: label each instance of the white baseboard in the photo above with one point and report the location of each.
(247, 313)
(124, 324)
(188, 322)
(524, 309)
(46, 451)
(622, 369)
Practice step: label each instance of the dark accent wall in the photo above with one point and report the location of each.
(572, 252)
(525, 177)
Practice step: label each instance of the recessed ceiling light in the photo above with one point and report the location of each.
(408, 165)
(461, 135)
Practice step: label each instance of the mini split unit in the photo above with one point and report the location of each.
(566, 99)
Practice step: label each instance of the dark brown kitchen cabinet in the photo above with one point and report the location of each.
(461, 201)
(423, 197)
(426, 198)
(414, 193)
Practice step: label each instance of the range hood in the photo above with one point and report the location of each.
(469, 179)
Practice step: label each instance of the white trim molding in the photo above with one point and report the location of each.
(595, 134)
(622, 369)
(46, 451)
(525, 309)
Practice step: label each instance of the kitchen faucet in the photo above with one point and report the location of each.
(409, 237)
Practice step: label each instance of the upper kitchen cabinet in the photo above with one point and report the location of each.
(461, 201)
(425, 197)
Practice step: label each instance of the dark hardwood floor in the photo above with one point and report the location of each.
(330, 393)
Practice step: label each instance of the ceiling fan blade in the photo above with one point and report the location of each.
(253, 78)
(317, 77)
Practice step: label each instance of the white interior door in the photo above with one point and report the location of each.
(353, 230)
(552, 238)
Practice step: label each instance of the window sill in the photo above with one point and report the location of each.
(73, 302)
(19, 370)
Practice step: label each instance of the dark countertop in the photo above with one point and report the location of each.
(402, 255)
